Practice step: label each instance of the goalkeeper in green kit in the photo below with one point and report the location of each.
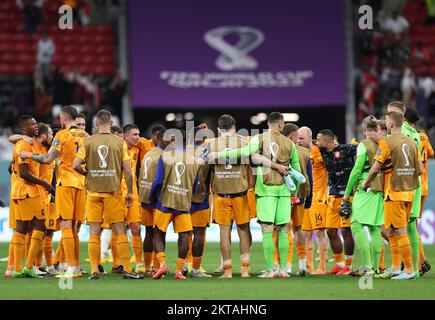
(367, 207)
(273, 187)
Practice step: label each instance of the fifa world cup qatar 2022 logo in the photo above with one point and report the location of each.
(234, 56)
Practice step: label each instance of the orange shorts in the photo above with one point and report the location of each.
(225, 210)
(147, 216)
(12, 218)
(315, 216)
(50, 218)
(30, 208)
(106, 209)
(423, 201)
(252, 203)
(298, 214)
(133, 213)
(70, 203)
(333, 220)
(396, 213)
(181, 222)
(200, 218)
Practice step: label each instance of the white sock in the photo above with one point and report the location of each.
(106, 234)
(340, 264)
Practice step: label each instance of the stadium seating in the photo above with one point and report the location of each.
(18, 50)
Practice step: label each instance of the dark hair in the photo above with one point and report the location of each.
(327, 133)
(129, 127)
(70, 111)
(115, 129)
(56, 128)
(289, 128)
(411, 115)
(42, 128)
(193, 135)
(104, 116)
(161, 134)
(226, 122)
(275, 117)
(81, 115)
(157, 129)
(22, 120)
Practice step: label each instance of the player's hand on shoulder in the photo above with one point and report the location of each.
(25, 155)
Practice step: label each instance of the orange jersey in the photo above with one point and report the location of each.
(384, 156)
(133, 154)
(144, 145)
(67, 142)
(426, 153)
(320, 176)
(21, 188)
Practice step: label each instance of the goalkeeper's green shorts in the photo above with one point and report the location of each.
(276, 210)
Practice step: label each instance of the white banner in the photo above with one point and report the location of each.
(426, 227)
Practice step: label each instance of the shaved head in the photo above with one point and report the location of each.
(305, 136)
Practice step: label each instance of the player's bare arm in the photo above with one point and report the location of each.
(375, 169)
(267, 163)
(126, 167)
(26, 175)
(17, 137)
(10, 167)
(41, 158)
(77, 165)
(420, 167)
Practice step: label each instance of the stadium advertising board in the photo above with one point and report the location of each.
(227, 53)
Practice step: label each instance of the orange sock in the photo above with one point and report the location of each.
(68, 246)
(156, 263)
(196, 261)
(323, 256)
(56, 258)
(189, 257)
(180, 264)
(275, 248)
(421, 257)
(27, 244)
(348, 261)
(339, 257)
(38, 258)
(161, 258)
(94, 248)
(35, 247)
(47, 247)
(10, 266)
(115, 250)
(19, 242)
(405, 251)
(148, 259)
(382, 258)
(76, 247)
(290, 248)
(136, 243)
(395, 253)
(301, 251)
(310, 256)
(124, 251)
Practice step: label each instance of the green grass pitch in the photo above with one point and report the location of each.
(309, 287)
